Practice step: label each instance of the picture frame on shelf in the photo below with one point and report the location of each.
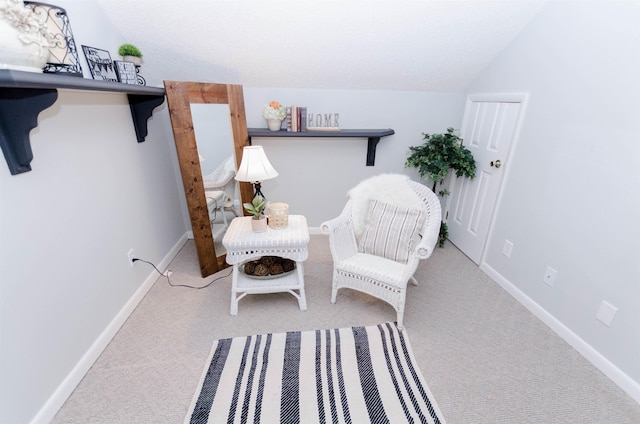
(126, 72)
(100, 64)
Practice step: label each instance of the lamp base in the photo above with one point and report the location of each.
(258, 191)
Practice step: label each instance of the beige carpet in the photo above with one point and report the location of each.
(484, 356)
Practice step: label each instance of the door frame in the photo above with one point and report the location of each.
(515, 97)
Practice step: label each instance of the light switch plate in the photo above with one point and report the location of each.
(606, 313)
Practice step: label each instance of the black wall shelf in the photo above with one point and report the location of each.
(23, 95)
(373, 137)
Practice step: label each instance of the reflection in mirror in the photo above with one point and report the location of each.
(212, 127)
(214, 138)
(198, 185)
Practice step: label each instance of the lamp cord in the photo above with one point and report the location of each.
(180, 285)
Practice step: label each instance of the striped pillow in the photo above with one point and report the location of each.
(391, 231)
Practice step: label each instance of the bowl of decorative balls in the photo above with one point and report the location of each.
(268, 267)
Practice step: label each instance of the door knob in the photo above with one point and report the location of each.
(497, 163)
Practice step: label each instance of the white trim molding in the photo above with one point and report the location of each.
(622, 380)
(69, 384)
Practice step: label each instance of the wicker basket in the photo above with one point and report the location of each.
(278, 214)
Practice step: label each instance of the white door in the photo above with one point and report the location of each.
(489, 127)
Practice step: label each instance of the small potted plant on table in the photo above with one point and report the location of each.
(256, 208)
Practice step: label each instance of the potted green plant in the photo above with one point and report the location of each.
(434, 159)
(130, 53)
(256, 208)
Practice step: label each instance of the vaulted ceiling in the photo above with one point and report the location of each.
(428, 45)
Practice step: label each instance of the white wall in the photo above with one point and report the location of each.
(315, 174)
(572, 197)
(65, 229)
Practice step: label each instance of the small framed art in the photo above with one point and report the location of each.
(126, 72)
(100, 64)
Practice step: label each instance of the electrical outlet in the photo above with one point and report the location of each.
(550, 276)
(508, 247)
(130, 256)
(606, 313)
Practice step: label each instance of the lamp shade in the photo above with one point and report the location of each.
(255, 166)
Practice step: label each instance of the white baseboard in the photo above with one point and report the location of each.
(68, 385)
(622, 380)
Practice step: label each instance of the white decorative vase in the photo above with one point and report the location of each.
(259, 225)
(274, 124)
(133, 59)
(18, 52)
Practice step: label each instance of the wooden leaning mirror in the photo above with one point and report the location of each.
(181, 99)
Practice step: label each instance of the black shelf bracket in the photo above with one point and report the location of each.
(141, 110)
(19, 110)
(372, 143)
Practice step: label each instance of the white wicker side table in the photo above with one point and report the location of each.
(243, 245)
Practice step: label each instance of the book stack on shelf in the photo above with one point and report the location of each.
(298, 120)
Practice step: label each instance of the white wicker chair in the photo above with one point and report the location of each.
(221, 179)
(377, 276)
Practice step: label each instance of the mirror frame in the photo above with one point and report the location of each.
(180, 96)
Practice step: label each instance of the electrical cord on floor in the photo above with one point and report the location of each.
(168, 273)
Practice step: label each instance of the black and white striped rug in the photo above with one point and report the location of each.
(347, 375)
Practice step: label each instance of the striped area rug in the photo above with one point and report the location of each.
(347, 375)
